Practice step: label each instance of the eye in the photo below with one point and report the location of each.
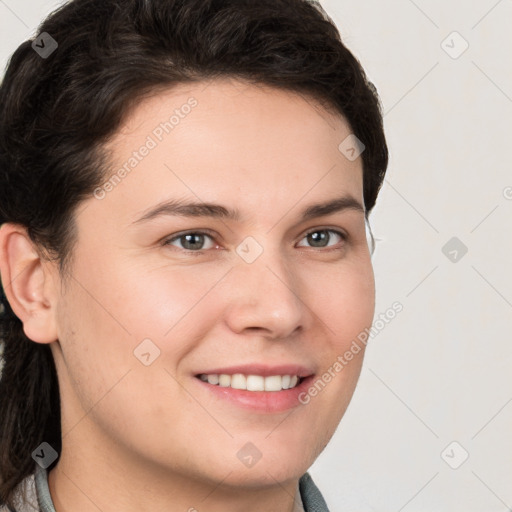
(322, 237)
(196, 241)
(191, 241)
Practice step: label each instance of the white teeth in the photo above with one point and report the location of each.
(255, 383)
(224, 380)
(273, 383)
(252, 382)
(213, 379)
(238, 381)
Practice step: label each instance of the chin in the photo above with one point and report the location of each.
(265, 474)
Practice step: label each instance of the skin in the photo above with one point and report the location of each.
(140, 438)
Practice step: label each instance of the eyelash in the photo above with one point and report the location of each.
(168, 241)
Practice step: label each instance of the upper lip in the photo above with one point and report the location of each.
(261, 369)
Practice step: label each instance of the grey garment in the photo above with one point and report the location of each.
(33, 494)
(312, 499)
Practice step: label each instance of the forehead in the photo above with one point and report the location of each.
(231, 142)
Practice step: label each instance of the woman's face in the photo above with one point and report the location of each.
(256, 279)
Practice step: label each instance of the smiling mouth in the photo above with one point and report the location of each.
(252, 382)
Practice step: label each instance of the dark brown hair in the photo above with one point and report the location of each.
(56, 114)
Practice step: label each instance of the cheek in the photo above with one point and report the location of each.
(344, 300)
(94, 346)
(163, 291)
(123, 303)
(346, 305)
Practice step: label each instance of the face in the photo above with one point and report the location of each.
(166, 300)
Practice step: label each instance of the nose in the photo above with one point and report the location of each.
(265, 299)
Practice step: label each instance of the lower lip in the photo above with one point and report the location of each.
(260, 401)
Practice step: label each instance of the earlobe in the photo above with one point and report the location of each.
(27, 283)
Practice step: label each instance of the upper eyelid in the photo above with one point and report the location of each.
(336, 230)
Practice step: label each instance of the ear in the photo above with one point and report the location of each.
(28, 283)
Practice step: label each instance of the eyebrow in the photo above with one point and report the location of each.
(176, 207)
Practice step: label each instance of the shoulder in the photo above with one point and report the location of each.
(311, 497)
(25, 497)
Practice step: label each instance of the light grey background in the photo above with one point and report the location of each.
(440, 372)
